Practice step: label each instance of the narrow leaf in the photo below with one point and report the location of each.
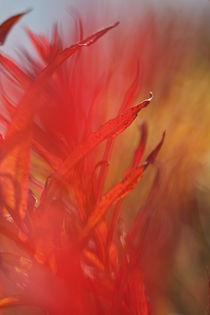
(140, 148)
(130, 94)
(115, 194)
(7, 25)
(24, 111)
(152, 156)
(110, 129)
(119, 191)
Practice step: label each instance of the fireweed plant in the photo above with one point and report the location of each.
(61, 249)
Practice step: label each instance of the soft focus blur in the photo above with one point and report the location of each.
(172, 44)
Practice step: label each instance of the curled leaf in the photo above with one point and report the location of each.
(119, 191)
(152, 156)
(7, 25)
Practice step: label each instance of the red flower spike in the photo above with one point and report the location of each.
(76, 261)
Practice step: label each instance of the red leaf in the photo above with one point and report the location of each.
(7, 25)
(25, 109)
(115, 194)
(128, 99)
(15, 71)
(130, 94)
(152, 156)
(41, 44)
(119, 191)
(140, 149)
(142, 143)
(137, 299)
(51, 159)
(110, 129)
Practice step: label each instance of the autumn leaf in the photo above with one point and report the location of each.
(7, 25)
(115, 194)
(110, 129)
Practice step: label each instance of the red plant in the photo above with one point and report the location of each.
(61, 251)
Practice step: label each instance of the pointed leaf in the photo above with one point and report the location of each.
(140, 149)
(152, 156)
(25, 108)
(110, 129)
(7, 25)
(115, 194)
(15, 71)
(129, 96)
(119, 191)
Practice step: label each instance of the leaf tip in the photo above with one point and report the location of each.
(152, 156)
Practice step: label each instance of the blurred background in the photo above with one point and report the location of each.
(171, 40)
